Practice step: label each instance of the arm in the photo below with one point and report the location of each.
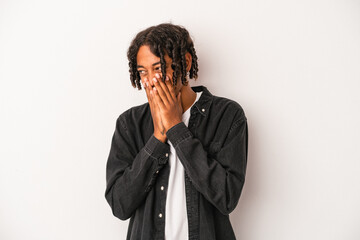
(219, 179)
(129, 177)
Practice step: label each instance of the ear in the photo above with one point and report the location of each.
(188, 59)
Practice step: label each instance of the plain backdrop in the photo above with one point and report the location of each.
(294, 66)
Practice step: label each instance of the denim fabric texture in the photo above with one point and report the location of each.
(212, 149)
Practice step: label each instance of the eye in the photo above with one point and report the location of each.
(158, 69)
(141, 72)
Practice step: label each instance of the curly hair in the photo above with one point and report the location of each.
(165, 38)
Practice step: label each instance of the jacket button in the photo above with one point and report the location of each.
(160, 215)
(203, 109)
(157, 171)
(166, 155)
(162, 188)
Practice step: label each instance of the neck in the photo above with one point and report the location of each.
(188, 97)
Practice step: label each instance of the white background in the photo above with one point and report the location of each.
(294, 66)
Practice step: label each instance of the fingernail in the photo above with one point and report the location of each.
(154, 88)
(157, 75)
(147, 84)
(167, 78)
(154, 79)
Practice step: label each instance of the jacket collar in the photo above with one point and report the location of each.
(205, 100)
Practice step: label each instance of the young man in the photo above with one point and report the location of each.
(177, 163)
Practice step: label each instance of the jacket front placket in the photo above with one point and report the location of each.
(192, 195)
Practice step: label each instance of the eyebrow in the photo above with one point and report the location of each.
(140, 66)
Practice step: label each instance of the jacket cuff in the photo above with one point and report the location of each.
(178, 133)
(158, 150)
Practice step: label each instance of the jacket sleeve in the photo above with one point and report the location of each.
(130, 175)
(221, 176)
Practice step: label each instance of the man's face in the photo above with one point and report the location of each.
(148, 65)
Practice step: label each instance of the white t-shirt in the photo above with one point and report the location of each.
(176, 222)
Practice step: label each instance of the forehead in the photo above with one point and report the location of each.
(146, 58)
(144, 54)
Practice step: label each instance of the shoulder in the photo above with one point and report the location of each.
(220, 107)
(228, 107)
(134, 114)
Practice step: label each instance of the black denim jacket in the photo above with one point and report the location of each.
(213, 151)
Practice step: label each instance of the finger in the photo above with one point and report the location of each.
(147, 88)
(144, 85)
(179, 99)
(150, 95)
(165, 89)
(152, 88)
(179, 102)
(151, 83)
(152, 102)
(170, 87)
(157, 99)
(160, 90)
(156, 103)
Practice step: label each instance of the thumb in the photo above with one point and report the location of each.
(179, 100)
(179, 97)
